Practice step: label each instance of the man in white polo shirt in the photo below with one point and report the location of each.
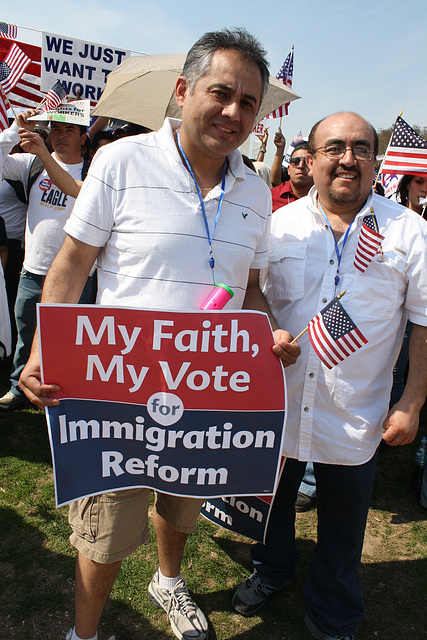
(166, 214)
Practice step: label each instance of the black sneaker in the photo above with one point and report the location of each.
(253, 593)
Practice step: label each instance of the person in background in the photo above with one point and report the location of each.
(300, 181)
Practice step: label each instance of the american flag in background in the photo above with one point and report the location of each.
(407, 151)
(55, 97)
(333, 334)
(27, 92)
(285, 75)
(4, 122)
(8, 30)
(17, 62)
(368, 244)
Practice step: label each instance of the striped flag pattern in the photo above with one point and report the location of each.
(8, 30)
(368, 244)
(285, 74)
(333, 334)
(27, 92)
(55, 97)
(407, 151)
(4, 122)
(17, 62)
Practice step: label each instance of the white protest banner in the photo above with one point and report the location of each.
(80, 65)
(187, 403)
(77, 112)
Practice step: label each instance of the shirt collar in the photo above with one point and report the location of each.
(312, 205)
(236, 167)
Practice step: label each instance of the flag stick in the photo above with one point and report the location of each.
(385, 155)
(7, 98)
(306, 329)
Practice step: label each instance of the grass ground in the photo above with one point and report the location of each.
(37, 562)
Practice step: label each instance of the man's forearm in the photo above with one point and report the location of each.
(416, 385)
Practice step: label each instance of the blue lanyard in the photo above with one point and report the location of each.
(337, 251)
(202, 204)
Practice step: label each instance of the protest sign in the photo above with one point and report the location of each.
(77, 112)
(247, 515)
(81, 66)
(188, 403)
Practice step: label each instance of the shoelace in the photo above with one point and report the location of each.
(262, 587)
(180, 599)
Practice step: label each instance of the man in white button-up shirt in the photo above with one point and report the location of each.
(337, 417)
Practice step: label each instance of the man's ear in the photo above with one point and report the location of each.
(181, 90)
(309, 160)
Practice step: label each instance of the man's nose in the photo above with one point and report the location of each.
(232, 110)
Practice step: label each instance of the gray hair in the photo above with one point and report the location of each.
(199, 58)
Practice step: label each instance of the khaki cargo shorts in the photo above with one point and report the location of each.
(109, 527)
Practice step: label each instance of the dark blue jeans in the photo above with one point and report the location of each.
(28, 295)
(332, 591)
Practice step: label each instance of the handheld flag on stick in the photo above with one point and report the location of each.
(407, 151)
(369, 242)
(55, 97)
(15, 64)
(285, 74)
(8, 30)
(333, 334)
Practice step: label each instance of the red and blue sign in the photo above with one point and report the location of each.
(187, 403)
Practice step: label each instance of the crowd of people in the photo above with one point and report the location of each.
(89, 236)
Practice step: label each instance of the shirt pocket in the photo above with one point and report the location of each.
(287, 270)
(375, 296)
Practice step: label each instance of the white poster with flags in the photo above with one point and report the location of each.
(81, 66)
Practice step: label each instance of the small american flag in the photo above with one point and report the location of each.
(368, 244)
(55, 97)
(8, 30)
(17, 62)
(333, 334)
(285, 74)
(407, 151)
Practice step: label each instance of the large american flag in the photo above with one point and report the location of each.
(368, 244)
(8, 30)
(285, 75)
(333, 334)
(17, 62)
(55, 97)
(27, 92)
(407, 151)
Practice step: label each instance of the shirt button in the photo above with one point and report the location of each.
(311, 375)
(306, 409)
(331, 262)
(324, 299)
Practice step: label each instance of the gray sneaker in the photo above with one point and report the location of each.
(187, 620)
(10, 401)
(319, 635)
(253, 593)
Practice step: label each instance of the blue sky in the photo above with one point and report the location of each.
(361, 56)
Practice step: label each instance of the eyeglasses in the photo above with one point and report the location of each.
(336, 152)
(295, 162)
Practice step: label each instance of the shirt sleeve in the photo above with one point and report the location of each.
(91, 220)
(416, 293)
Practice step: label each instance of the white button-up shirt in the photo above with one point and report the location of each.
(335, 415)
